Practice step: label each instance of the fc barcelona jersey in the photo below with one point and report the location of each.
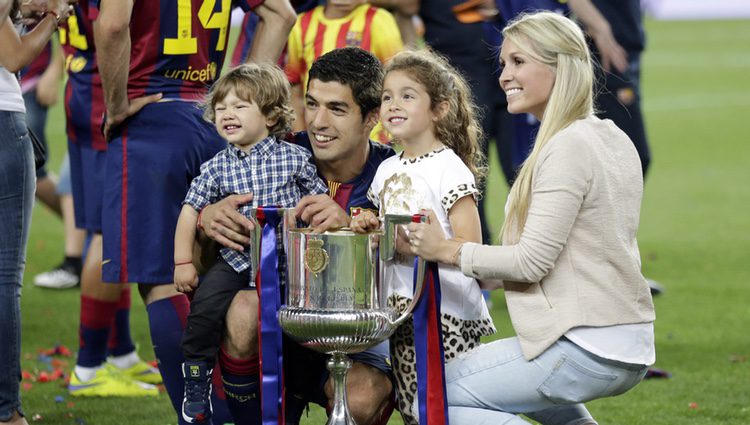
(178, 46)
(84, 99)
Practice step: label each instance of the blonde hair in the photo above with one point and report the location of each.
(459, 129)
(555, 41)
(263, 84)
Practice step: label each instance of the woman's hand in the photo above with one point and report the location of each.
(364, 222)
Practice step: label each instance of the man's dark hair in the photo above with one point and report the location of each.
(353, 67)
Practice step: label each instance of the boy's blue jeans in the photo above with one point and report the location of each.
(17, 183)
(494, 383)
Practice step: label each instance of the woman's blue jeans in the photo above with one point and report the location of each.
(17, 183)
(494, 383)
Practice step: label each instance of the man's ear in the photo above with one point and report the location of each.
(440, 110)
(371, 119)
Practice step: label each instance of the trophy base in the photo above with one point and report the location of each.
(342, 331)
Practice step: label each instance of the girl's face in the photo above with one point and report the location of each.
(405, 108)
(527, 84)
(240, 121)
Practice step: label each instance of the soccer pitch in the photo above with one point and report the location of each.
(694, 239)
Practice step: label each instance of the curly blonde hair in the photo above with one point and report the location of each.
(459, 128)
(263, 84)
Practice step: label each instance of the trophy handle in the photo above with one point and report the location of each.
(390, 235)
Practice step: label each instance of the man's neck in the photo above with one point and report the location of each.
(346, 169)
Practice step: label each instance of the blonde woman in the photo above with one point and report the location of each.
(569, 262)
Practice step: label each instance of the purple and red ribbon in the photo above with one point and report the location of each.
(270, 338)
(428, 342)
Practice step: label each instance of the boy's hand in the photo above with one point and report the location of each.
(185, 278)
(365, 222)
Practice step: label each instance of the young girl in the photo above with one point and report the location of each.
(426, 106)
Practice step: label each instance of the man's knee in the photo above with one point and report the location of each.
(241, 336)
(368, 391)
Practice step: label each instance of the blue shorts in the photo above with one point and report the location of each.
(86, 176)
(151, 161)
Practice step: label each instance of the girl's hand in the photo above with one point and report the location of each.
(365, 222)
(185, 278)
(428, 241)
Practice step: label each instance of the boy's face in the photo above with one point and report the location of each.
(240, 121)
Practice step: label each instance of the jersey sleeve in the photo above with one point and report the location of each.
(386, 41)
(457, 183)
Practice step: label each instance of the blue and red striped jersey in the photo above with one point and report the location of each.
(178, 46)
(84, 99)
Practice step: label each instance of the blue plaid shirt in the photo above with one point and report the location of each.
(277, 173)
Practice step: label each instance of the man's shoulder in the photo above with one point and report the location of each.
(380, 152)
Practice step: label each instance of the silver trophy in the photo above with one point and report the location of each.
(336, 297)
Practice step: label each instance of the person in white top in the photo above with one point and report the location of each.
(16, 186)
(569, 263)
(426, 105)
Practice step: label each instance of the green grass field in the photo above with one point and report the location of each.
(694, 239)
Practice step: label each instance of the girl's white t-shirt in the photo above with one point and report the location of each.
(432, 181)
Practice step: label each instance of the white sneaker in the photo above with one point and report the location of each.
(58, 278)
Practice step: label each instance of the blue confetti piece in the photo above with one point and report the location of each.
(59, 399)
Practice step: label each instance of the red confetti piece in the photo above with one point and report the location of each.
(153, 363)
(26, 375)
(56, 374)
(63, 351)
(26, 386)
(43, 377)
(70, 405)
(693, 405)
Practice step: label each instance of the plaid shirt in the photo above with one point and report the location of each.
(277, 173)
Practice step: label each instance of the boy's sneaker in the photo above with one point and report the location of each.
(143, 372)
(110, 382)
(61, 277)
(196, 405)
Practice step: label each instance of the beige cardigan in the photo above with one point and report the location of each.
(577, 262)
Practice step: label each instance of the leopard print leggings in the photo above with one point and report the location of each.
(458, 336)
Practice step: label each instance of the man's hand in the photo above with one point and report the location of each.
(223, 222)
(322, 213)
(115, 118)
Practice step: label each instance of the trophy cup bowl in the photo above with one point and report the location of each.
(336, 300)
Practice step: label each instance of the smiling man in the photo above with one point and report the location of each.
(341, 108)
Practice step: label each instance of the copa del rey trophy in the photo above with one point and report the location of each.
(336, 297)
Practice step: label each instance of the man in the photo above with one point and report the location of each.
(341, 108)
(157, 59)
(104, 327)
